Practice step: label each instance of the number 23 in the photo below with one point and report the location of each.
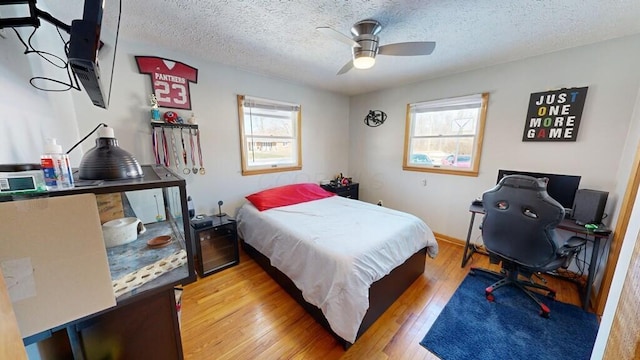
(163, 90)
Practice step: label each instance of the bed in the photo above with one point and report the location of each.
(345, 261)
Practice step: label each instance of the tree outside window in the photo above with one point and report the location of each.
(269, 135)
(445, 135)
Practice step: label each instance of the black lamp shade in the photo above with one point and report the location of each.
(107, 161)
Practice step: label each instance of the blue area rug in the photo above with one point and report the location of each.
(470, 327)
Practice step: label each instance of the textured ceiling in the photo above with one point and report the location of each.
(277, 38)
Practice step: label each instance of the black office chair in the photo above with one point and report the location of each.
(519, 230)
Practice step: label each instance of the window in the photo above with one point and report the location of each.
(445, 136)
(269, 135)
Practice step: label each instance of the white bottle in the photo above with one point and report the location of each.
(192, 209)
(56, 167)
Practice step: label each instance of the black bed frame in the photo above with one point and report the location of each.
(382, 293)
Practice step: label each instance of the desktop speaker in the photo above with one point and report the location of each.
(588, 207)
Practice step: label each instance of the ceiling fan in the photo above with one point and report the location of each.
(364, 45)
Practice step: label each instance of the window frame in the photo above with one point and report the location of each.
(296, 139)
(473, 170)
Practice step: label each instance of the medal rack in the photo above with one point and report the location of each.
(171, 151)
(169, 125)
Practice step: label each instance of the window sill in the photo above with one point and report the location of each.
(442, 170)
(270, 170)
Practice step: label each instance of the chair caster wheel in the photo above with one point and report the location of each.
(490, 297)
(551, 295)
(544, 314)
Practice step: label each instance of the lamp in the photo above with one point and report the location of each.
(107, 161)
(364, 56)
(364, 62)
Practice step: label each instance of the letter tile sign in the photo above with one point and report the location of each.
(554, 115)
(169, 79)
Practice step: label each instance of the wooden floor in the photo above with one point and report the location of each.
(240, 313)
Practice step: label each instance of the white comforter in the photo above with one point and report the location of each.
(334, 249)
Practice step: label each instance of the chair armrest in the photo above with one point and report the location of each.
(569, 249)
(571, 245)
(575, 241)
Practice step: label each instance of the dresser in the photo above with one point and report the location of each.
(349, 191)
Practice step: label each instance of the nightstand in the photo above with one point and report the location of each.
(349, 191)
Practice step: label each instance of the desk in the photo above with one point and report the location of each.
(565, 224)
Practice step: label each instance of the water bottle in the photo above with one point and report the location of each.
(56, 167)
(192, 210)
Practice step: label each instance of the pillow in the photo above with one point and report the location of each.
(287, 195)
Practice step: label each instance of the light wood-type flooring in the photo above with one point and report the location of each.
(241, 313)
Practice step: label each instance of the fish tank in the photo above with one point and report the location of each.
(143, 225)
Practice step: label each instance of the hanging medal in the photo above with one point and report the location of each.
(175, 149)
(165, 149)
(186, 169)
(154, 143)
(202, 171)
(193, 153)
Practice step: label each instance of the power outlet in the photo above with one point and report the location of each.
(379, 203)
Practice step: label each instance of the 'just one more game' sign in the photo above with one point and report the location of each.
(554, 115)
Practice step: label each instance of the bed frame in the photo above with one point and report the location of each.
(382, 293)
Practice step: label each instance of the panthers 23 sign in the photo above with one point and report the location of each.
(170, 80)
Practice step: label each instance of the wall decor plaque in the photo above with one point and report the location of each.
(169, 80)
(554, 115)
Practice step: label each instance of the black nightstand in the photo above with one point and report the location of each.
(216, 245)
(349, 191)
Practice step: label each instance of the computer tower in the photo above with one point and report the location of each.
(588, 207)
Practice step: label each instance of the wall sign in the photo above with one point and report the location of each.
(169, 79)
(554, 115)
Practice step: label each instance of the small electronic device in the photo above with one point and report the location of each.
(602, 231)
(597, 229)
(22, 182)
(201, 221)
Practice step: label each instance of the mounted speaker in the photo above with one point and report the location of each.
(588, 207)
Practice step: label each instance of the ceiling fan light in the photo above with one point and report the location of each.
(364, 62)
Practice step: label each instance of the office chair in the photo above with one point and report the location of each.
(518, 230)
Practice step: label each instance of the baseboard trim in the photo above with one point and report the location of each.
(449, 239)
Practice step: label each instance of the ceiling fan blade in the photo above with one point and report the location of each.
(348, 66)
(337, 35)
(408, 48)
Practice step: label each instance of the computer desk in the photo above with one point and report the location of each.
(565, 224)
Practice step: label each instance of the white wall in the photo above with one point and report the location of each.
(632, 235)
(29, 116)
(376, 153)
(213, 100)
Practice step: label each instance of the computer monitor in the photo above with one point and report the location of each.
(560, 187)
